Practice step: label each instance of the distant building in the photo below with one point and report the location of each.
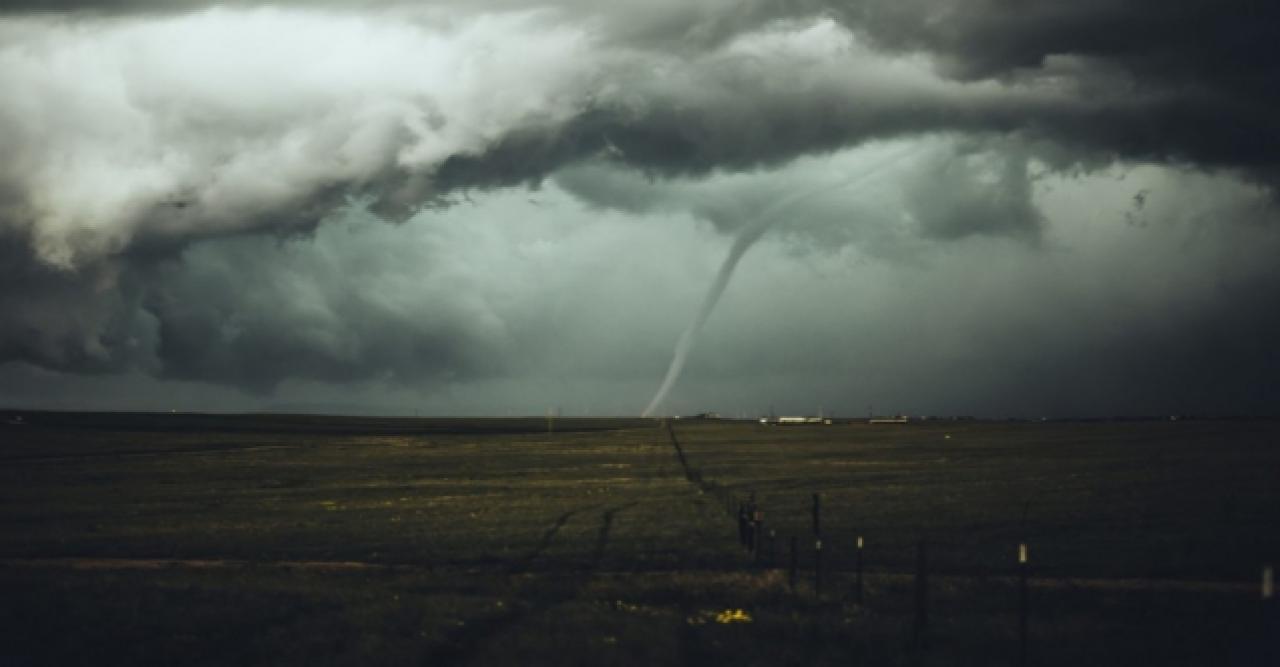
(796, 420)
(900, 419)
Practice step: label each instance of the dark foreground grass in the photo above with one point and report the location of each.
(269, 540)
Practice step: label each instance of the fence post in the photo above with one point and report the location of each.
(792, 571)
(1268, 584)
(858, 573)
(1270, 608)
(757, 521)
(817, 515)
(922, 593)
(1023, 603)
(1266, 651)
(817, 568)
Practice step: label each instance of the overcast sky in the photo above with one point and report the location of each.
(1030, 209)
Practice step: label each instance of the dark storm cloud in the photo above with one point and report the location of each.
(88, 321)
(143, 130)
(947, 188)
(971, 192)
(1209, 67)
(1062, 79)
(1194, 40)
(1191, 81)
(757, 100)
(250, 316)
(665, 22)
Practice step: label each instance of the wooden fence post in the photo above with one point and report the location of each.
(1023, 603)
(817, 568)
(858, 573)
(1267, 650)
(757, 528)
(817, 515)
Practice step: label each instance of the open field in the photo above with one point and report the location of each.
(193, 539)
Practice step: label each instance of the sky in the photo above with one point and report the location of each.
(509, 207)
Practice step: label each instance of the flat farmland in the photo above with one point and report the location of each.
(200, 539)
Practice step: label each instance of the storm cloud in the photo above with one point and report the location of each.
(215, 194)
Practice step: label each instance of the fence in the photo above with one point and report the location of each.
(827, 564)
(760, 541)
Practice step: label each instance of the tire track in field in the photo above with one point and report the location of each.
(602, 538)
(462, 645)
(544, 542)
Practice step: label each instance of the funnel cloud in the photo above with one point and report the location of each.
(746, 237)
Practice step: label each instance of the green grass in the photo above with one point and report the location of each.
(496, 542)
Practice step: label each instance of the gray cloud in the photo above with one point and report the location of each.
(86, 320)
(972, 191)
(1205, 69)
(499, 305)
(153, 145)
(398, 124)
(251, 315)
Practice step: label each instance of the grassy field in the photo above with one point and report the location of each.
(193, 539)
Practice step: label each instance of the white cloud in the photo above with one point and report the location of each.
(245, 116)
